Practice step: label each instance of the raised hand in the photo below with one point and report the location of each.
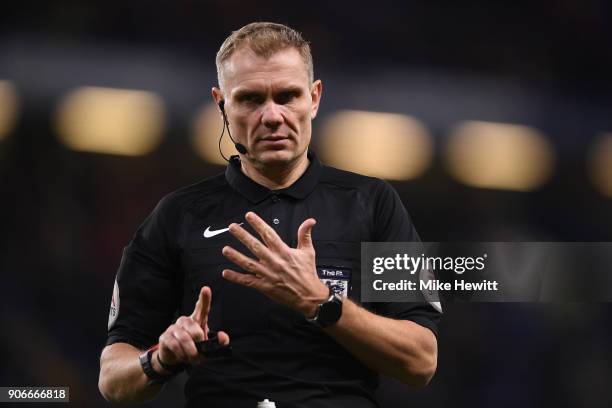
(177, 343)
(284, 274)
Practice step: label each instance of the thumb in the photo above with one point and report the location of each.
(224, 338)
(305, 234)
(202, 307)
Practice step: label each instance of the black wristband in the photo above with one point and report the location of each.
(155, 378)
(173, 369)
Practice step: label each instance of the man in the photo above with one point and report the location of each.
(262, 283)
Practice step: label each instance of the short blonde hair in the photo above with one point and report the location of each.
(264, 39)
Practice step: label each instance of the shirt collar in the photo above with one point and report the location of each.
(256, 193)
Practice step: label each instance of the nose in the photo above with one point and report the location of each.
(272, 116)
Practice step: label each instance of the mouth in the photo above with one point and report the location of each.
(274, 142)
(274, 138)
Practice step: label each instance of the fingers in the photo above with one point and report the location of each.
(250, 265)
(241, 278)
(187, 344)
(202, 307)
(266, 232)
(177, 346)
(253, 244)
(195, 331)
(304, 238)
(178, 343)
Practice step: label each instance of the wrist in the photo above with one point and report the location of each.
(157, 364)
(327, 312)
(312, 304)
(154, 376)
(166, 369)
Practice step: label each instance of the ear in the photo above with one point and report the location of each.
(316, 91)
(217, 95)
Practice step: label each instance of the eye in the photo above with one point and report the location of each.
(250, 98)
(286, 97)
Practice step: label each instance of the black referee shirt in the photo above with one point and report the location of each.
(276, 354)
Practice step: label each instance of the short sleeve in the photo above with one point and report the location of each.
(391, 223)
(147, 292)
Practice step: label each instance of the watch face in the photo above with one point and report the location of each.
(330, 312)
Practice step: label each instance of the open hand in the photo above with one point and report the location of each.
(284, 274)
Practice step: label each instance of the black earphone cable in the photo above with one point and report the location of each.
(220, 138)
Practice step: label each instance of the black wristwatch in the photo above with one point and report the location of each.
(328, 312)
(155, 378)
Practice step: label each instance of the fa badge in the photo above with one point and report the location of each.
(337, 278)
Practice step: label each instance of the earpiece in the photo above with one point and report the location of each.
(239, 146)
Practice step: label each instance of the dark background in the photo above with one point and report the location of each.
(65, 215)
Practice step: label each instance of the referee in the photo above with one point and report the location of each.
(239, 255)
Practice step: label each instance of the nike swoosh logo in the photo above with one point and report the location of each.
(209, 234)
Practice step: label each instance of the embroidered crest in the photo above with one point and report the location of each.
(337, 278)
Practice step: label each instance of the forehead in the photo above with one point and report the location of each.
(245, 69)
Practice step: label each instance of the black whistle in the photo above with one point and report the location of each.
(211, 348)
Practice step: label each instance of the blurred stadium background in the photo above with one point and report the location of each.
(492, 119)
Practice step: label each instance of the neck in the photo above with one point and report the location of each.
(275, 177)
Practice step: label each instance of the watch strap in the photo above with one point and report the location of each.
(317, 319)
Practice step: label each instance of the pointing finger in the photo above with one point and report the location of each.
(202, 307)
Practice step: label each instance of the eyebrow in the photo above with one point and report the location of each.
(245, 92)
(257, 91)
(291, 89)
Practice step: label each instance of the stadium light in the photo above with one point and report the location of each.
(9, 106)
(207, 126)
(499, 156)
(385, 145)
(111, 121)
(599, 165)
